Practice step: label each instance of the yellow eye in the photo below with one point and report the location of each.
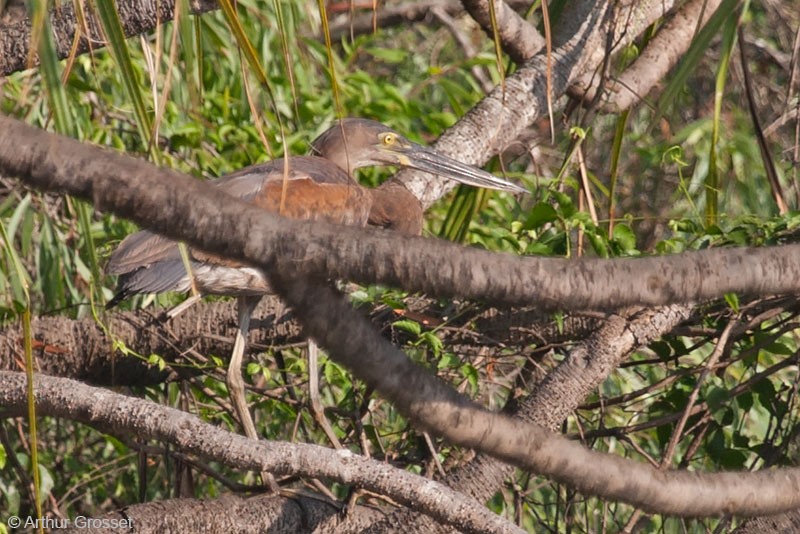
(388, 138)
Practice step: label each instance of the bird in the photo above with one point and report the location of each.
(318, 187)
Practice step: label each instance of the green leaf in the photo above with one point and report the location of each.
(598, 243)
(625, 237)
(733, 301)
(661, 349)
(716, 397)
(465, 204)
(471, 374)
(47, 482)
(541, 214)
(565, 203)
(155, 359)
(432, 341)
(780, 348)
(745, 401)
(408, 325)
(448, 360)
(49, 64)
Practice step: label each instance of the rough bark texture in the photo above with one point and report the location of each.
(586, 366)
(518, 38)
(118, 414)
(81, 349)
(136, 16)
(183, 208)
(787, 523)
(227, 514)
(661, 54)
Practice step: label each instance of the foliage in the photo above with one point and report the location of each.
(417, 81)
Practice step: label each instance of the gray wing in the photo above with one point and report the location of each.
(146, 248)
(150, 263)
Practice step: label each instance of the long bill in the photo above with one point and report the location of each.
(425, 159)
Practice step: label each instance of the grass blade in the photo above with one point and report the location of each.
(119, 51)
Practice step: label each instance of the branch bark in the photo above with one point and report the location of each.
(136, 16)
(518, 38)
(111, 412)
(662, 53)
(79, 349)
(228, 513)
(183, 208)
(586, 366)
(436, 408)
(499, 119)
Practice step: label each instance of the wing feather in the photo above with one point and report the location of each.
(315, 189)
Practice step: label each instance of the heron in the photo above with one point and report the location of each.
(318, 187)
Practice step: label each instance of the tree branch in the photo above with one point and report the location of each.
(228, 513)
(662, 52)
(518, 38)
(583, 369)
(136, 16)
(331, 321)
(79, 348)
(183, 208)
(111, 412)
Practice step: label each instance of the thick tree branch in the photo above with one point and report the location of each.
(662, 53)
(183, 208)
(586, 366)
(592, 361)
(518, 38)
(111, 412)
(136, 16)
(581, 42)
(82, 349)
(350, 340)
(228, 513)
(79, 348)
(498, 119)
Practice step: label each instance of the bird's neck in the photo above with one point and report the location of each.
(395, 208)
(341, 160)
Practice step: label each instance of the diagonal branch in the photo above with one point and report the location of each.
(583, 369)
(61, 397)
(351, 340)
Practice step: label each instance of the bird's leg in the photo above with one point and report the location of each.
(234, 380)
(313, 394)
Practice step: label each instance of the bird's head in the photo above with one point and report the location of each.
(354, 143)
